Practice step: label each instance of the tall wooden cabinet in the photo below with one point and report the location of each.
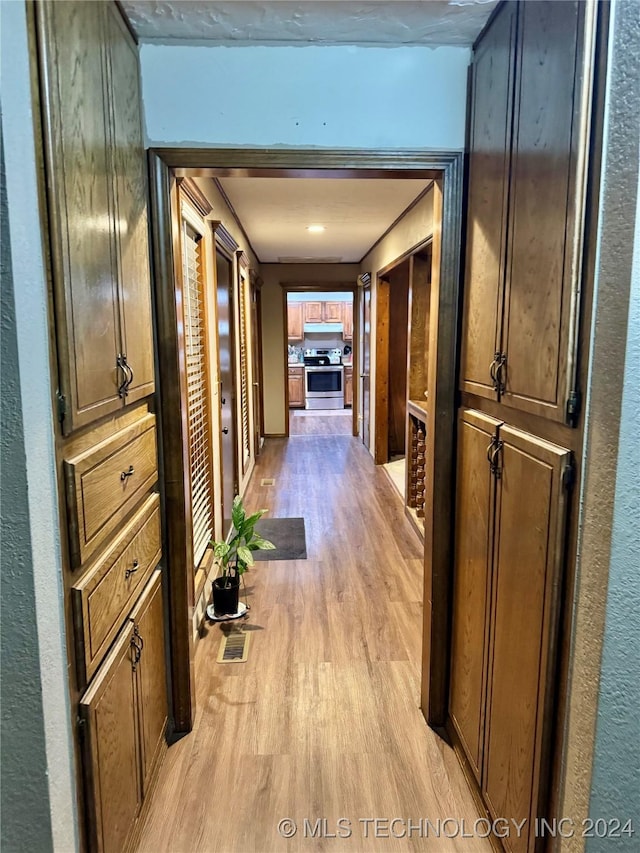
(96, 181)
(509, 561)
(526, 190)
(106, 442)
(530, 146)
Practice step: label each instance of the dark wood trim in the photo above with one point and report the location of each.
(443, 342)
(172, 430)
(232, 210)
(285, 337)
(318, 287)
(381, 444)
(197, 198)
(416, 201)
(224, 237)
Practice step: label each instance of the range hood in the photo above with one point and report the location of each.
(324, 328)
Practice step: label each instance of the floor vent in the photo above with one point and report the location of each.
(267, 481)
(234, 647)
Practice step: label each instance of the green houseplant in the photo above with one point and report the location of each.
(235, 556)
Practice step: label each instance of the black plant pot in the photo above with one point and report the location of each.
(225, 596)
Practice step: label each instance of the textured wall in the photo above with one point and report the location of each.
(604, 546)
(615, 788)
(331, 97)
(40, 490)
(26, 822)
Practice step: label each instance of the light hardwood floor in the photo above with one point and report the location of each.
(322, 721)
(337, 422)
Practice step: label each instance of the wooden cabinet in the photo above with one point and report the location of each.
(313, 312)
(124, 717)
(347, 321)
(296, 387)
(507, 578)
(96, 183)
(348, 386)
(525, 213)
(295, 331)
(332, 312)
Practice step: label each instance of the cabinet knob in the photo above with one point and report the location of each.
(225, 430)
(125, 474)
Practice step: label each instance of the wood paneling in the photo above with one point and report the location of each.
(131, 220)
(76, 118)
(104, 595)
(418, 333)
(475, 497)
(294, 321)
(538, 297)
(347, 321)
(398, 342)
(381, 453)
(332, 312)
(106, 482)
(489, 159)
(110, 746)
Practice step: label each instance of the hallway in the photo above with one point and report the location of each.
(322, 721)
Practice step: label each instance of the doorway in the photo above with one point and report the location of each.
(446, 170)
(226, 349)
(364, 416)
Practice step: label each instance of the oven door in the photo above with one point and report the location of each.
(324, 382)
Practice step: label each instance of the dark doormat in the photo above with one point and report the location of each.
(287, 534)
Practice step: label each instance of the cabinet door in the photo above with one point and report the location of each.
(489, 160)
(76, 119)
(131, 221)
(347, 322)
(332, 312)
(313, 312)
(112, 784)
(296, 388)
(527, 569)
(294, 321)
(348, 386)
(475, 499)
(148, 621)
(544, 199)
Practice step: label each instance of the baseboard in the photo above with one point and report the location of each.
(275, 435)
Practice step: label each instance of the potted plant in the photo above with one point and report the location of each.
(235, 556)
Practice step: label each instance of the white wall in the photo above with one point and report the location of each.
(331, 96)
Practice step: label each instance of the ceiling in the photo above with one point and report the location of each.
(275, 211)
(355, 212)
(429, 22)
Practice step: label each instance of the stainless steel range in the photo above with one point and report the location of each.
(323, 383)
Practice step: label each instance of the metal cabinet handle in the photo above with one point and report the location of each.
(132, 570)
(492, 370)
(130, 370)
(125, 474)
(121, 362)
(501, 380)
(137, 652)
(136, 634)
(492, 444)
(495, 466)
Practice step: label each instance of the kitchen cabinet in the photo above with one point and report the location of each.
(507, 578)
(348, 386)
(332, 312)
(313, 312)
(97, 201)
(296, 387)
(347, 321)
(123, 718)
(295, 331)
(525, 216)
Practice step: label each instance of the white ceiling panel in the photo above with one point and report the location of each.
(275, 213)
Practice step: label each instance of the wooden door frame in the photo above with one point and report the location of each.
(320, 287)
(446, 169)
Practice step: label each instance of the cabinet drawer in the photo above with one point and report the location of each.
(104, 596)
(106, 482)
(296, 371)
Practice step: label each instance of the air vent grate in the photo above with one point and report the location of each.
(267, 481)
(234, 647)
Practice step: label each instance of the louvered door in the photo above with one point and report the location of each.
(198, 407)
(245, 371)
